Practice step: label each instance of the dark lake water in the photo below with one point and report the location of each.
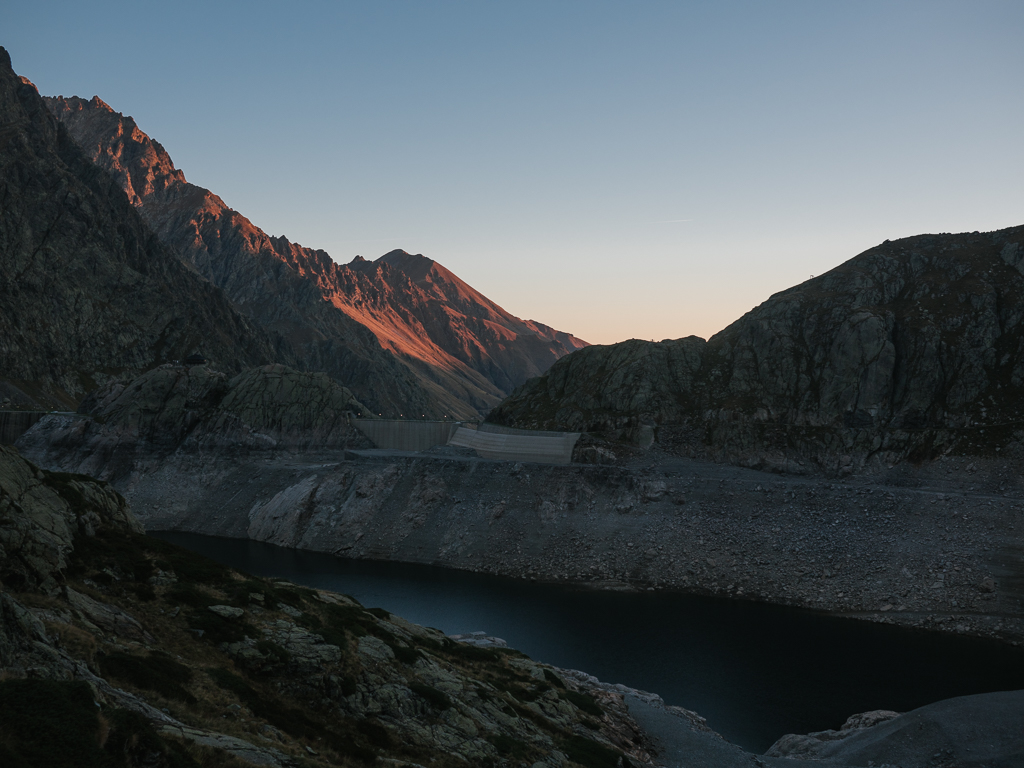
(754, 671)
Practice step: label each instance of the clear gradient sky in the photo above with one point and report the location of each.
(613, 169)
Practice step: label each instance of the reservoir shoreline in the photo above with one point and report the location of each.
(755, 671)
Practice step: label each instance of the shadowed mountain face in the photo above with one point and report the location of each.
(403, 332)
(911, 349)
(87, 291)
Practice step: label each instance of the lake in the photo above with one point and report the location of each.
(755, 671)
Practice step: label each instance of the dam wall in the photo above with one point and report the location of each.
(398, 435)
(516, 445)
(13, 424)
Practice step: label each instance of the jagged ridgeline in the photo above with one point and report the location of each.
(909, 350)
(408, 336)
(87, 291)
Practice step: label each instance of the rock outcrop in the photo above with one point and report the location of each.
(88, 292)
(134, 427)
(403, 332)
(968, 731)
(40, 515)
(912, 349)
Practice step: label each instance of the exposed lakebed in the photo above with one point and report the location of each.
(755, 671)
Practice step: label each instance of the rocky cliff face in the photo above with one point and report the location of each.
(909, 350)
(407, 335)
(134, 427)
(88, 292)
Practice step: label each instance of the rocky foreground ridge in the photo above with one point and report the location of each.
(88, 293)
(912, 350)
(404, 333)
(119, 649)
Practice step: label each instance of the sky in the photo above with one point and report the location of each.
(616, 170)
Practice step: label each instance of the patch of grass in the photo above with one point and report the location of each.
(46, 723)
(77, 642)
(513, 652)
(216, 629)
(112, 550)
(144, 592)
(156, 672)
(195, 569)
(187, 566)
(508, 746)
(583, 702)
(554, 679)
(436, 698)
(341, 620)
(483, 693)
(589, 753)
(188, 594)
(286, 595)
(238, 594)
(273, 650)
(333, 632)
(133, 739)
(229, 681)
(292, 721)
(375, 733)
(404, 653)
(63, 484)
(537, 719)
(465, 652)
(519, 686)
(428, 642)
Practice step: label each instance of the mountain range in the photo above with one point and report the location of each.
(912, 349)
(404, 333)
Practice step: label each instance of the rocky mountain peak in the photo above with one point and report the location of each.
(114, 141)
(407, 262)
(404, 332)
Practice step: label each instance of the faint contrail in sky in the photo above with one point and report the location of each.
(669, 221)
